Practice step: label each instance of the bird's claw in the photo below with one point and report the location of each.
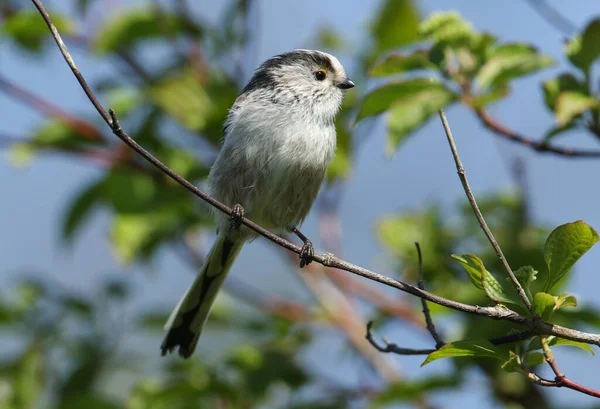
(237, 214)
(306, 254)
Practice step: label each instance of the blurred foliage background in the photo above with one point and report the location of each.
(173, 77)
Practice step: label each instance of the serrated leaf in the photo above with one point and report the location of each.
(483, 279)
(564, 246)
(570, 105)
(27, 28)
(474, 267)
(582, 50)
(509, 61)
(397, 63)
(479, 348)
(543, 305)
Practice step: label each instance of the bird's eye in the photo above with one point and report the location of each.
(320, 75)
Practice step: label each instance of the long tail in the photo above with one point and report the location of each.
(187, 319)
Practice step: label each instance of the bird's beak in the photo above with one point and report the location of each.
(345, 84)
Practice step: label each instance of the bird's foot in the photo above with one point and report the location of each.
(237, 214)
(308, 251)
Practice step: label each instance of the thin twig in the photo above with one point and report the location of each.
(537, 326)
(541, 147)
(463, 178)
(393, 348)
(553, 17)
(430, 326)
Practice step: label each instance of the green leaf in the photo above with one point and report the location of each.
(570, 105)
(132, 232)
(79, 209)
(564, 246)
(410, 389)
(473, 266)
(509, 61)
(483, 279)
(479, 348)
(513, 364)
(583, 50)
(525, 276)
(490, 96)
(385, 29)
(397, 63)
(28, 379)
(565, 300)
(27, 28)
(535, 358)
(564, 82)
(199, 104)
(131, 27)
(543, 305)
(411, 104)
(555, 341)
(446, 27)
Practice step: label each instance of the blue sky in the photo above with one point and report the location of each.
(421, 172)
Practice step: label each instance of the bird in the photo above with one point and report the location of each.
(278, 141)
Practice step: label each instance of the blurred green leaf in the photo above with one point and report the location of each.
(385, 30)
(91, 401)
(535, 358)
(479, 348)
(572, 104)
(129, 191)
(543, 305)
(79, 209)
(27, 28)
(564, 82)
(492, 95)
(411, 104)
(129, 28)
(584, 49)
(396, 63)
(28, 379)
(199, 104)
(513, 364)
(510, 61)
(21, 155)
(446, 27)
(330, 39)
(408, 390)
(564, 246)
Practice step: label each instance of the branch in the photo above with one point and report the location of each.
(537, 326)
(542, 147)
(84, 128)
(463, 178)
(429, 322)
(553, 17)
